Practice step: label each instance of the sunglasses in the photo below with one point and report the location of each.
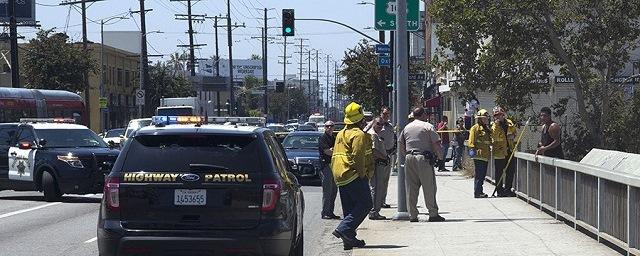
(328, 126)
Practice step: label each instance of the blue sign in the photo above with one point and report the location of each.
(384, 61)
(383, 48)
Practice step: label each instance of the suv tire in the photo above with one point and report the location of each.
(50, 188)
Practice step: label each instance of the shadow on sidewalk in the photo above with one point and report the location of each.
(383, 247)
(497, 220)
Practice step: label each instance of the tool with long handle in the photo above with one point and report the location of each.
(513, 152)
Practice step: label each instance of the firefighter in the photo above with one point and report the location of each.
(480, 150)
(352, 166)
(504, 135)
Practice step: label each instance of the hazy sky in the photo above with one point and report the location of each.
(328, 38)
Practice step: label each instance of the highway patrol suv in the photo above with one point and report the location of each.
(183, 188)
(54, 156)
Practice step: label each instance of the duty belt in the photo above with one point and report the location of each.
(427, 154)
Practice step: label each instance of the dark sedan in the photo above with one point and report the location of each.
(302, 151)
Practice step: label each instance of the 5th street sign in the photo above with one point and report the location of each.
(385, 16)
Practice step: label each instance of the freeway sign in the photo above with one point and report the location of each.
(383, 48)
(384, 61)
(385, 16)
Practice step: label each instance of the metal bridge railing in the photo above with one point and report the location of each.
(599, 201)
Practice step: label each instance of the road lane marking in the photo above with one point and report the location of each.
(91, 240)
(28, 210)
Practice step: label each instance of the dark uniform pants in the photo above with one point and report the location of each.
(379, 184)
(420, 173)
(507, 184)
(329, 191)
(356, 204)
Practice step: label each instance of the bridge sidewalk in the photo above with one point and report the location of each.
(493, 226)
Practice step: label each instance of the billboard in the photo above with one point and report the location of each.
(25, 11)
(241, 68)
(124, 40)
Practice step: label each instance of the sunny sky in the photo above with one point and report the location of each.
(328, 38)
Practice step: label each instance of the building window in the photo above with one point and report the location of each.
(120, 78)
(127, 78)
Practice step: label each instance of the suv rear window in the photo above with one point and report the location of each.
(184, 153)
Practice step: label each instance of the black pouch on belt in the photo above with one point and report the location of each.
(430, 157)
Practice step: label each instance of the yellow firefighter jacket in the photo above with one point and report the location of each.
(480, 140)
(352, 156)
(503, 142)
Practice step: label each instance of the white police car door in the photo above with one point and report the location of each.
(22, 161)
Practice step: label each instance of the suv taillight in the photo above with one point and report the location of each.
(111, 193)
(270, 195)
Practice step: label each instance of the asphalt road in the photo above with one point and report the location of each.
(31, 226)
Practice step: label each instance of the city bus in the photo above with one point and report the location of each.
(16, 103)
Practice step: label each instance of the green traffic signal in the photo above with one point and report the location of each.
(288, 30)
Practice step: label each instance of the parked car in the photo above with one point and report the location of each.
(113, 136)
(302, 151)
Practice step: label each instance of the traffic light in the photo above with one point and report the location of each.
(288, 22)
(279, 86)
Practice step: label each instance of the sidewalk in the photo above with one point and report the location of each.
(494, 226)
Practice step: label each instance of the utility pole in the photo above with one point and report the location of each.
(402, 65)
(190, 18)
(301, 45)
(318, 78)
(265, 79)
(143, 58)
(309, 80)
(230, 43)
(13, 35)
(328, 90)
(85, 76)
(284, 63)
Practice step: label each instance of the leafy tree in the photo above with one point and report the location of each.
(179, 61)
(361, 72)
(256, 57)
(51, 61)
(165, 83)
(278, 104)
(503, 46)
(250, 103)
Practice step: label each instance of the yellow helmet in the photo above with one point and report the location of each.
(353, 113)
(482, 113)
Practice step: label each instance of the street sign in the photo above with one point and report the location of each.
(385, 15)
(140, 97)
(383, 49)
(417, 77)
(103, 102)
(384, 61)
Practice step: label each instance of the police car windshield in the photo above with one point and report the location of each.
(70, 138)
(114, 133)
(180, 153)
(301, 142)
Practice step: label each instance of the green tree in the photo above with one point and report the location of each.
(51, 61)
(165, 83)
(503, 46)
(362, 81)
(250, 103)
(278, 104)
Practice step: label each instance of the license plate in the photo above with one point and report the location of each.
(190, 197)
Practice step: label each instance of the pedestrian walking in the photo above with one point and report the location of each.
(352, 166)
(460, 137)
(444, 142)
(503, 135)
(419, 144)
(329, 188)
(480, 150)
(550, 141)
(380, 175)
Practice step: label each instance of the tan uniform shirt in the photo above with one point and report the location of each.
(388, 136)
(417, 136)
(378, 143)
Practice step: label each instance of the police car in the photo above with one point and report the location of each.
(180, 187)
(54, 156)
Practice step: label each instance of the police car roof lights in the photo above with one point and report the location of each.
(167, 120)
(48, 120)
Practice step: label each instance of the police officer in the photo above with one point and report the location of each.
(503, 134)
(329, 188)
(420, 145)
(388, 137)
(380, 178)
(480, 150)
(352, 166)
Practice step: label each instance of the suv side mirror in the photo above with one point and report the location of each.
(112, 144)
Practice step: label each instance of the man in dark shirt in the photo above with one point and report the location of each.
(550, 142)
(329, 188)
